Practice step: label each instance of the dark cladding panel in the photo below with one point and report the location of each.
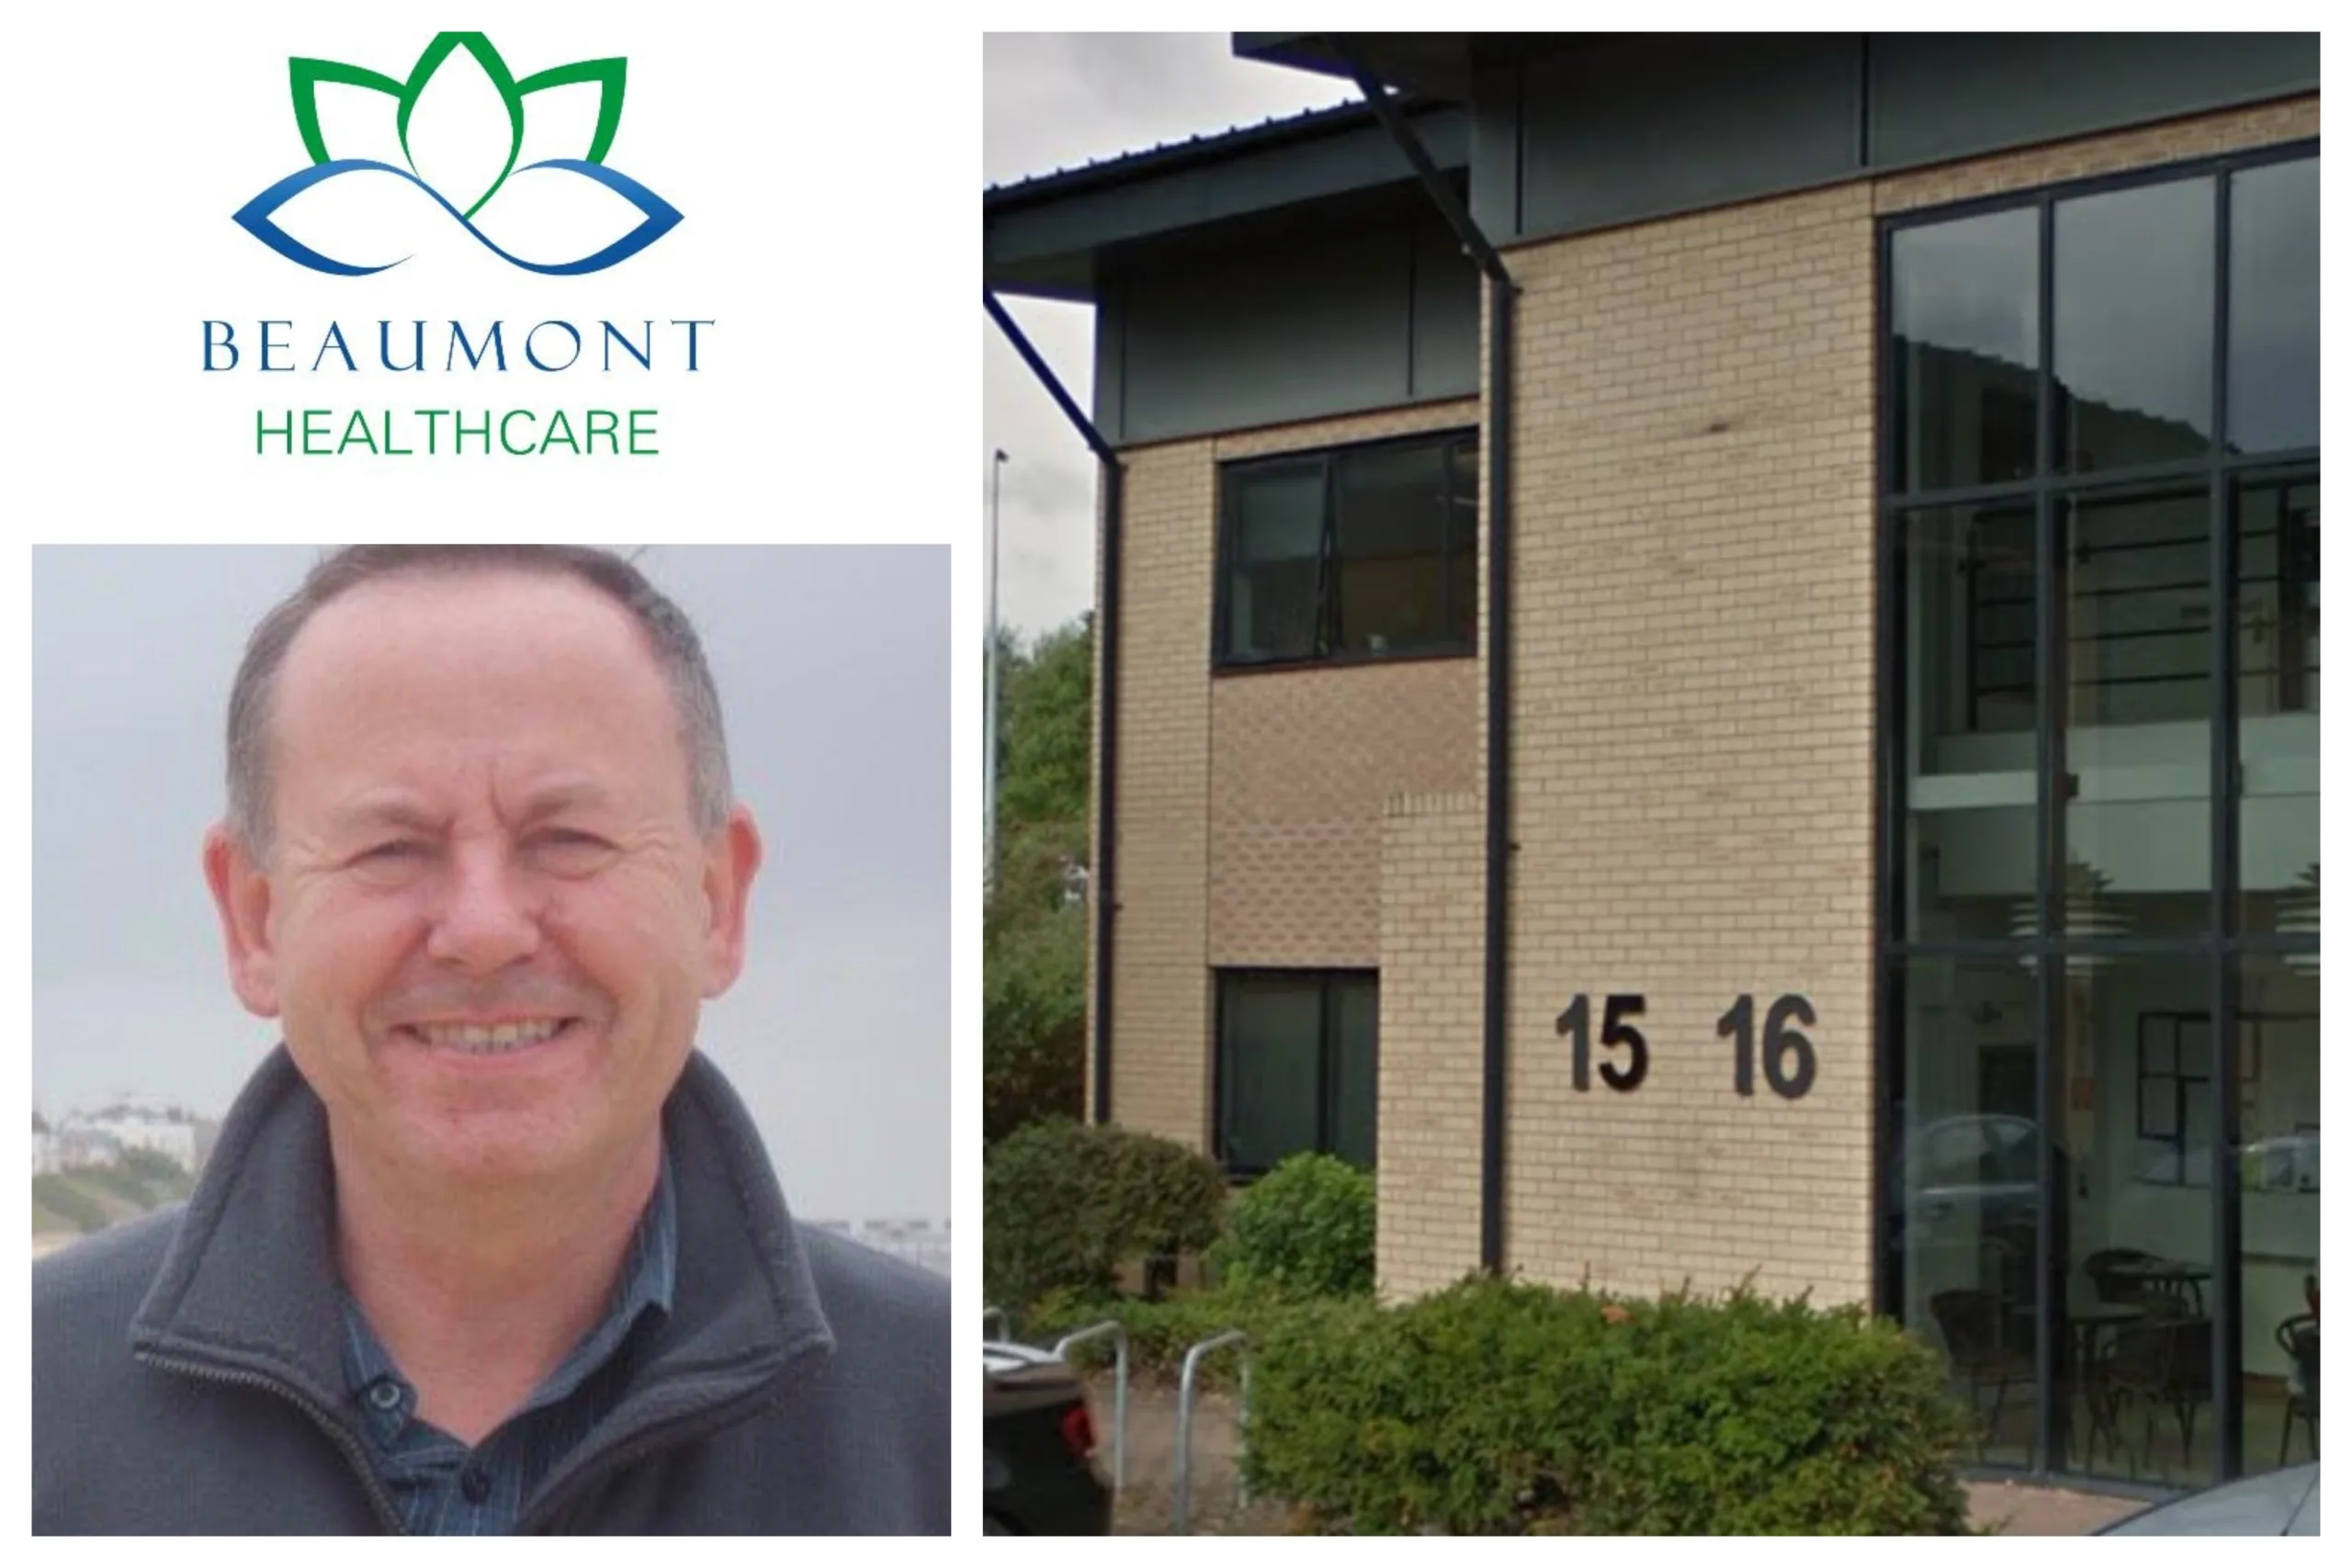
(1110, 364)
(1445, 318)
(1494, 152)
(1945, 96)
(1292, 333)
(1642, 129)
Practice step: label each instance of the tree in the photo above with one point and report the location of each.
(1033, 933)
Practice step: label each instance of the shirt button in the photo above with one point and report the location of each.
(475, 1483)
(384, 1394)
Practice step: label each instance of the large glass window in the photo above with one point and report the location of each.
(2133, 308)
(2278, 1206)
(2136, 726)
(1298, 1064)
(2100, 1024)
(2278, 657)
(1967, 613)
(1965, 341)
(1963, 1193)
(2274, 308)
(2137, 1073)
(1358, 553)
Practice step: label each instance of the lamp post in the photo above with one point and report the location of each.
(988, 841)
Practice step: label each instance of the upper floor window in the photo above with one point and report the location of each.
(1362, 552)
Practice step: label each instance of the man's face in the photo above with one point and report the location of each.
(485, 917)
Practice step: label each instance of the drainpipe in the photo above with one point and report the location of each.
(1100, 880)
(1502, 295)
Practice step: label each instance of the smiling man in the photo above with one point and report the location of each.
(487, 1246)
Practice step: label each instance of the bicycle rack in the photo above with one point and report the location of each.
(1118, 1331)
(1000, 1319)
(1184, 1513)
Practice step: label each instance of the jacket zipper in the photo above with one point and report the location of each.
(326, 1422)
(674, 1433)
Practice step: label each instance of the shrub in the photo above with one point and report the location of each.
(1159, 1332)
(1500, 1407)
(1064, 1206)
(1304, 1228)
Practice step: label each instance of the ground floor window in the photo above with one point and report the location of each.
(1297, 1065)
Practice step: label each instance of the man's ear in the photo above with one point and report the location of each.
(730, 859)
(241, 892)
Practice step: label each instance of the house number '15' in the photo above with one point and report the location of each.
(1788, 1057)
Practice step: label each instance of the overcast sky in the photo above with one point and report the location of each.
(837, 1035)
(1055, 101)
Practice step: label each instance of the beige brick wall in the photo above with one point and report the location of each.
(1160, 1079)
(1433, 948)
(1266, 788)
(1304, 761)
(1693, 739)
(2200, 135)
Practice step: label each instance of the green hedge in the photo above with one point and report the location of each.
(1159, 1332)
(1304, 1228)
(1064, 1206)
(1500, 1407)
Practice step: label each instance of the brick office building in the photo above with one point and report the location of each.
(1887, 731)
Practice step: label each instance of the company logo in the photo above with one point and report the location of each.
(477, 183)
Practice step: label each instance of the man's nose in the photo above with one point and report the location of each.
(489, 912)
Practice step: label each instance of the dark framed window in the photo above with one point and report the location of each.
(2174, 1097)
(1298, 1067)
(2099, 783)
(1358, 552)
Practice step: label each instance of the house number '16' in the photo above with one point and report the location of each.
(1787, 1055)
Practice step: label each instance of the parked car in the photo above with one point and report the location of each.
(2279, 1502)
(1963, 1200)
(1038, 1437)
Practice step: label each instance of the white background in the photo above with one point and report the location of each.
(826, 164)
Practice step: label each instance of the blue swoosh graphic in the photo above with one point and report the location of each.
(255, 217)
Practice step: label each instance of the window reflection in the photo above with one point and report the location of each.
(1969, 692)
(2133, 325)
(1962, 1196)
(2277, 1042)
(2274, 307)
(1966, 345)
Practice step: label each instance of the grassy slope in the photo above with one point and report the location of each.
(68, 1201)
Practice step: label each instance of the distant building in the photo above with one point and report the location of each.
(100, 1137)
(76, 1147)
(924, 1243)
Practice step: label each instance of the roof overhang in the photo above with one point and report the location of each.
(1051, 236)
(1440, 65)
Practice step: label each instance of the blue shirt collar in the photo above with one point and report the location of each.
(646, 1285)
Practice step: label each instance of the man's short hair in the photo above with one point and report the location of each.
(667, 631)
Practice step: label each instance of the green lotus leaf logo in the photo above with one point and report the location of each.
(608, 76)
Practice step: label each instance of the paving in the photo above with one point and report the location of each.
(1147, 1506)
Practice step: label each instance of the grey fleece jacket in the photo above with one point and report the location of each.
(188, 1376)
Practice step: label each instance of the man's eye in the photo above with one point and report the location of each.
(570, 840)
(392, 853)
